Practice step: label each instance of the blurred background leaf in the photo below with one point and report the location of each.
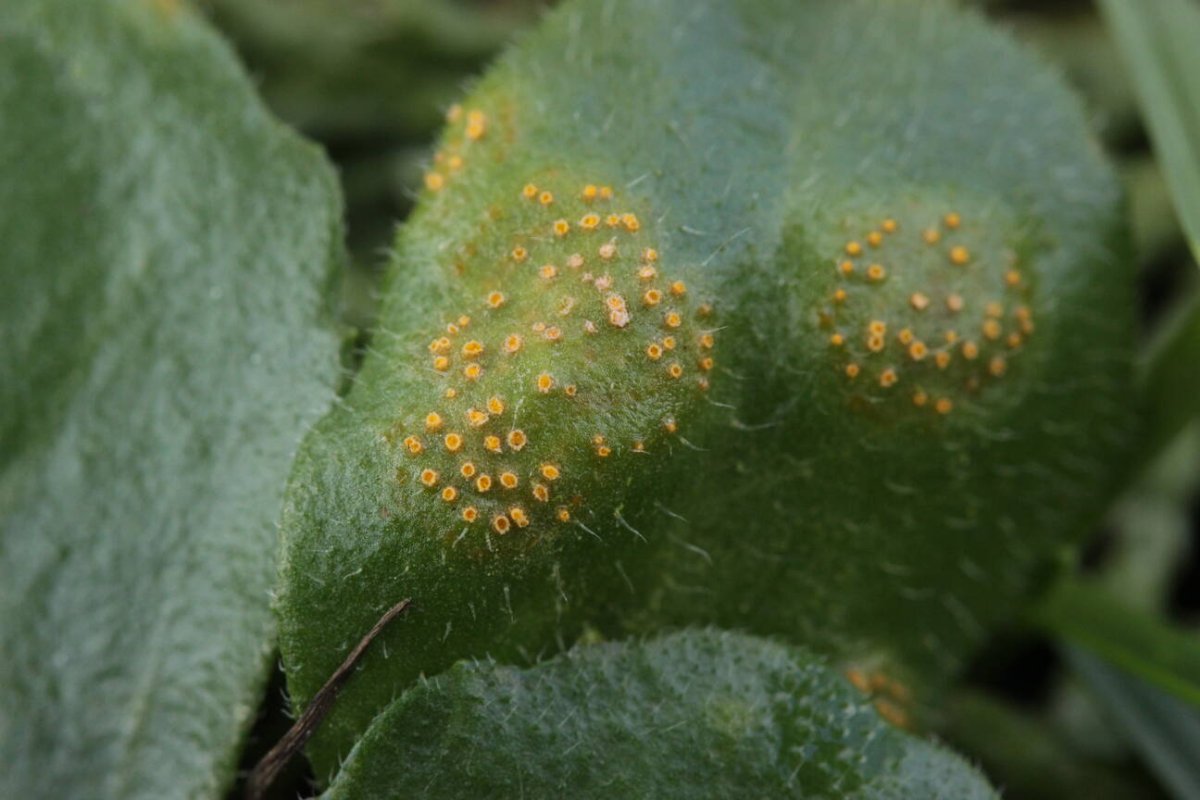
(1164, 730)
(1160, 45)
(1025, 753)
(1170, 375)
(1160, 42)
(1087, 617)
(368, 70)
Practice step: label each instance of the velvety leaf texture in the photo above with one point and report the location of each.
(698, 714)
(808, 318)
(164, 315)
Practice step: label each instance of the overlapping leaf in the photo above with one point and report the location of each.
(167, 249)
(692, 715)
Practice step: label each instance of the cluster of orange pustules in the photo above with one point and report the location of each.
(948, 333)
(591, 273)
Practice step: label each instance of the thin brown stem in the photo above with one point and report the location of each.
(265, 772)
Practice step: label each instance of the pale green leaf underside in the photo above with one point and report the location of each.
(167, 248)
(699, 714)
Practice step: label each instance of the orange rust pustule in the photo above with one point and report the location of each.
(927, 312)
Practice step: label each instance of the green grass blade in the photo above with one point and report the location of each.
(1087, 617)
(1170, 377)
(1164, 731)
(1161, 44)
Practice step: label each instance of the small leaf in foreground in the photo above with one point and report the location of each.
(699, 714)
(167, 249)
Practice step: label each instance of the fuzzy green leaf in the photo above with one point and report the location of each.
(883, 475)
(692, 715)
(167, 250)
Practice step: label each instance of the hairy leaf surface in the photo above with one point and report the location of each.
(167, 250)
(809, 318)
(698, 714)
